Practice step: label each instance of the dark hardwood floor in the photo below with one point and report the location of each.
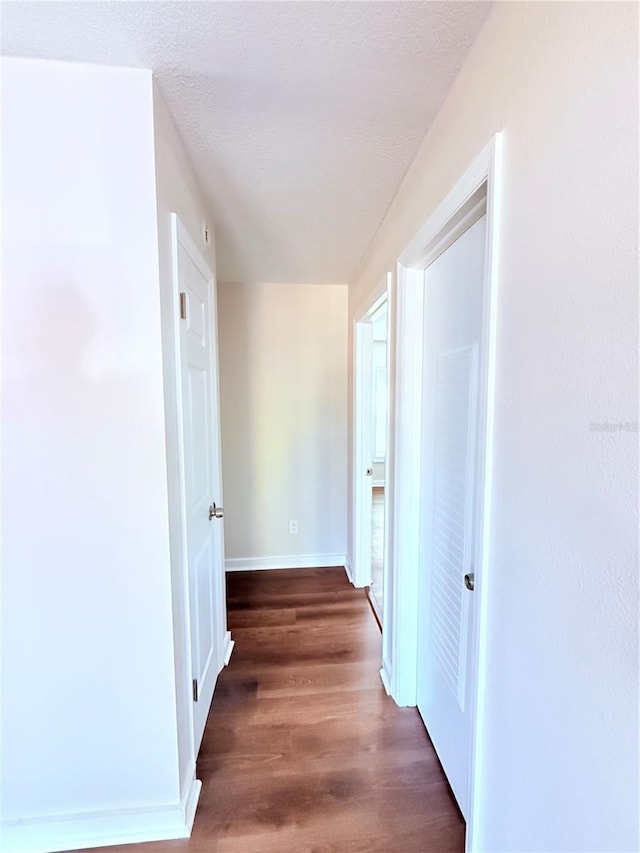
(303, 751)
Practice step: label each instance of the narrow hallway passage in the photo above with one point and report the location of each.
(303, 751)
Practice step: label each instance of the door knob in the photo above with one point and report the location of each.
(469, 581)
(369, 472)
(215, 512)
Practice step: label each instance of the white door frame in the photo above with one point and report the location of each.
(400, 634)
(362, 420)
(402, 625)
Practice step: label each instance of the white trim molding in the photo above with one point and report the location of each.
(290, 561)
(479, 185)
(348, 569)
(227, 648)
(385, 677)
(52, 833)
(490, 163)
(401, 624)
(191, 803)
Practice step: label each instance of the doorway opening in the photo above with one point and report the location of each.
(371, 441)
(443, 438)
(379, 417)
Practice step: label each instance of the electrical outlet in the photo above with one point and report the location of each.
(293, 526)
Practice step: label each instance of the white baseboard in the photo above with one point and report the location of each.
(228, 647)
(53, 833)
(296, 561)
(386, 679)
(191, 803)
(348, 569)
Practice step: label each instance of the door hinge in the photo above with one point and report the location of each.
(195, 689)
(183, 306)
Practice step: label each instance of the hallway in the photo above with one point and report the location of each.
(303, 750)
(207, 207)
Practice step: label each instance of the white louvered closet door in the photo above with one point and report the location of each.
(453, 327)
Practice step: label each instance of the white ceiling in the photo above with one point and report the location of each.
(301, 118)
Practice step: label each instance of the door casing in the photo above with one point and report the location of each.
(401, 643)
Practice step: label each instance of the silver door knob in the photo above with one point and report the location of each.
(369, 472)
(215, 512)
(469, 581)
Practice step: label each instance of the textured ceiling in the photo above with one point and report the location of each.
(301, 118)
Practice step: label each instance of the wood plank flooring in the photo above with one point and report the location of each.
(303, 751)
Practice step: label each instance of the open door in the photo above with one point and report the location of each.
(202, 477)
(379, 441)
(363, 454)
(370, 435)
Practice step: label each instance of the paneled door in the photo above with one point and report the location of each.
(202, 472)
(454, 291)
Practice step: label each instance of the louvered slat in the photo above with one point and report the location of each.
(455, 430)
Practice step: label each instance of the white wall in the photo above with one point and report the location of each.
(560, 768)
(283, 374)
(88, 692)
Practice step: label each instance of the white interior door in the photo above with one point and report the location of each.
(454, 285)
(363, 455)
(202, 474)
(379, 427)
